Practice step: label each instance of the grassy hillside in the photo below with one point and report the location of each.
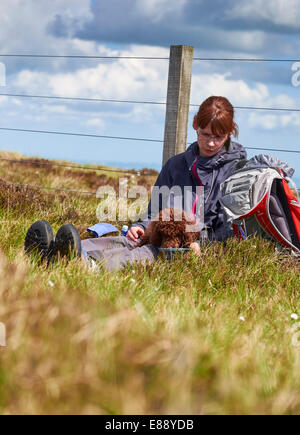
(209, 334)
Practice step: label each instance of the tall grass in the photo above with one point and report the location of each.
(195, 335)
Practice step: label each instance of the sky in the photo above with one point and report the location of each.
(260, 29)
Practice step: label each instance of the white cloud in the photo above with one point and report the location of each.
(248, 41)
(158, 9)
(278, 12)
(237, 91)
(139, 80)
(24, 26)
(241, 94)
(119, 79)
(274, 121)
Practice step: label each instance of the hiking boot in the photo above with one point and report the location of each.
(67, 243)
(39, 239)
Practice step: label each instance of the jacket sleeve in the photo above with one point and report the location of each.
(221, 229)
(164, 179)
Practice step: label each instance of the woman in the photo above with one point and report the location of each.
(207, 162)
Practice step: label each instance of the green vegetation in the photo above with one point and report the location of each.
(196, 335)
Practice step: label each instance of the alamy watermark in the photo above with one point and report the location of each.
(296, 76)
(2, 74)
(121, 208)
(2, 335)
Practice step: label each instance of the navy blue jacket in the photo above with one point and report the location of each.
(189, 169)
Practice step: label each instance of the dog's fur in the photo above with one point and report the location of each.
(169, 230)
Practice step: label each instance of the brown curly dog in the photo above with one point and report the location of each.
(169, 230)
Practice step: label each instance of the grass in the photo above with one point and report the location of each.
(166, 338)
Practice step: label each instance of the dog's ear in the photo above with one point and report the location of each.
(155, 236)
(152, 235)
(144, 240)
(190, 236)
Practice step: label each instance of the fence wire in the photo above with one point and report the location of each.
(222, 59)
(128, 172)
(58, 189)
(82, 99)
(158, 103)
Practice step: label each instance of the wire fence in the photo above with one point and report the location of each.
(127, 172)
(99, 100)
(68, 133)
(56, 189)
(71, 56)
(127, 138)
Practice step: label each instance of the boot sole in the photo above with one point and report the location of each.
(68, 242)
(39, 238)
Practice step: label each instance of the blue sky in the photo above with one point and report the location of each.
(231, 29)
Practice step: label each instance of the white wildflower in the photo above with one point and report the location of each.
(294, 316)
(242, 318)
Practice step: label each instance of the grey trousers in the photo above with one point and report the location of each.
(116, 252)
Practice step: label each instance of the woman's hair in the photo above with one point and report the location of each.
(220, 113)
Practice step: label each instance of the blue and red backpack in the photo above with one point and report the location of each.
(258, 200)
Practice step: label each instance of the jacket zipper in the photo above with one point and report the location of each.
(205, 235)
(200, 184)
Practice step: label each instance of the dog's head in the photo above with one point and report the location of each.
(172, 228)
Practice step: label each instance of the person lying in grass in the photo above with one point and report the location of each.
(206, 162)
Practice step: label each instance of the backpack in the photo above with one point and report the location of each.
(258, 200)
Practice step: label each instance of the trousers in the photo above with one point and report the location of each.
(115, 252)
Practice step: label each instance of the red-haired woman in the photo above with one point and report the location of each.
(207, 162)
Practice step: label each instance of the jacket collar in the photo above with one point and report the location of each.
(235, 152)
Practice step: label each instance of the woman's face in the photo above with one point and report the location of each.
(209, 145)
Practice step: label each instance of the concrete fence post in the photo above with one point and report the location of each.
(178, 100)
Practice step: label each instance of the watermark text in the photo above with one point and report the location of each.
(120, 207)
(296, 76)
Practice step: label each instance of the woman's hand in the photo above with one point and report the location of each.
(134, 233)
(195, 247)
